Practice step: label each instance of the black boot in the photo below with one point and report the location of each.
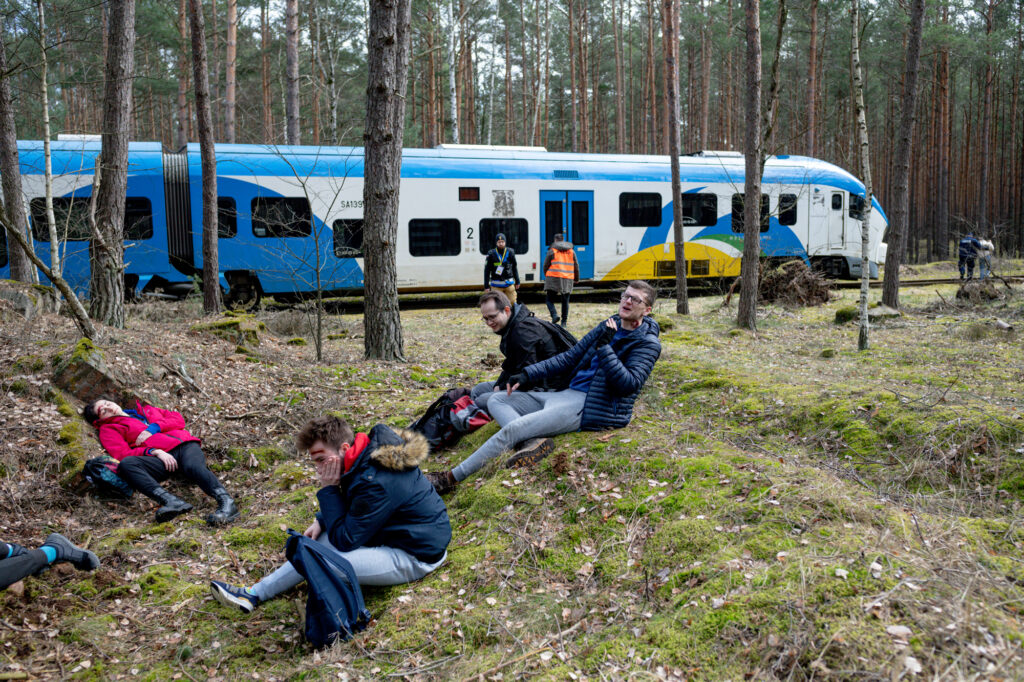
(172, 506)
(227, 510)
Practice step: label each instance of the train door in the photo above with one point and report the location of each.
(836, 221)
(572, 214)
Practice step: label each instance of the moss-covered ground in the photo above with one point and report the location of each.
(774, 511)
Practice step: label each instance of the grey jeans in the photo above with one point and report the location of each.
(482, 393)
(524, 415)
(373, 566)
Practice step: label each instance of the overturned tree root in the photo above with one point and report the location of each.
(790, 284)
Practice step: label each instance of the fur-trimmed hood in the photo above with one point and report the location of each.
(399, 456)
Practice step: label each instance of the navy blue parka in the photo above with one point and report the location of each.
(625, 363)
(384, 499)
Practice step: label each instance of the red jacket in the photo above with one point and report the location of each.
(118, 434)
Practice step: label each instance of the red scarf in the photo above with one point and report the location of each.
(358, 445)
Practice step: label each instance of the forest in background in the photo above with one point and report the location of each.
(575, 75)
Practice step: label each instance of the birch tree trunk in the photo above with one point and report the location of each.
(107, 249)
(22, 269)
(204, 116)
(898, 225)
(388, 60)
(865, 161)
(812, 76)
(44, 92)
(670, 30)
(453, 101)
(750, 266)
(291, 30)
(230, 82)
(268, 116)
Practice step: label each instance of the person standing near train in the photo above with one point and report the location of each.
(501, 272)
(969, 248)
(561, 272)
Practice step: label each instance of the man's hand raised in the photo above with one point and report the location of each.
(330, 471)
(514, 381)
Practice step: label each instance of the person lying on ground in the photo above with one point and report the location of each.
(525, 340)
(151, 445)
(17, 563)
(606, 371)
(377, 510)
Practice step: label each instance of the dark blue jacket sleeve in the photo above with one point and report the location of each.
(370, 508)
(626, 378)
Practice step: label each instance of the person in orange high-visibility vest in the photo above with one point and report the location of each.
(561, 271)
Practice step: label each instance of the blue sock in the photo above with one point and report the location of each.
(10, 552)
(50, 552)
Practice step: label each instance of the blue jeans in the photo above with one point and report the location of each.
(482, 393)
(985, 266)
(373, 566)
(524, 415)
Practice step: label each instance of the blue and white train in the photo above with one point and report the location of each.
(286, 213)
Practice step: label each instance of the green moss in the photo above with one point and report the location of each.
(73, 439)
(241, 329)
(340, 335)
(846, 314)
(291, 397)
(296, 341)
(484, 501)
(289, 474)
(18, 386)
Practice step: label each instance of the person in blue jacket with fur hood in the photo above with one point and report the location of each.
(608, 367)
(377, 510)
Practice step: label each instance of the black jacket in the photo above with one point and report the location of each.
(526, 341)
(494, 260)
(384, 500)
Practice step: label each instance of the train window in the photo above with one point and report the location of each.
(638, 209)
(516, 231)
(856, 207)
(737, 213)
(738, 216)
(281, 217)
(138, 218)
(348, 238)
(553, 220)
(787, 209)
(581, 223)
(435, 237)
(469, 194)
(71, 217)
(227, 217)
(837, 201)
(700, 209)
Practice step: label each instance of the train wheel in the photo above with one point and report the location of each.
(242, 295)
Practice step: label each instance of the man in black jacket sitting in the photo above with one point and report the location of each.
(525, 340)
(377, 510)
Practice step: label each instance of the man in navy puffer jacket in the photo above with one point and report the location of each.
(608, 367)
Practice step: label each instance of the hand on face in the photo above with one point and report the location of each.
(329, 470)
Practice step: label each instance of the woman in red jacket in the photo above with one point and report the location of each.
(150, 445)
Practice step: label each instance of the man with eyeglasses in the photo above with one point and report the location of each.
(525, 340)
(605, 370)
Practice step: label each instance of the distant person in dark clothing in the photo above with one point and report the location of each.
(151, 444)
(525, 340)
(16, 562)
(969, 248)
(501, 272)
(561, 271)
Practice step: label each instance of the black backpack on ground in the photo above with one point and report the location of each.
(436, 423)
(105, 482)
(334, 608)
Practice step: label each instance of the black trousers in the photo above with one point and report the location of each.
(551, 297)
(14, 569)
(146, 473)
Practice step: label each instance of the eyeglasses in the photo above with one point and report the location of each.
(636, 300)
(491, 318)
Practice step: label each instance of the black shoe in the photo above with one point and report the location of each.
(82, 559)
(172, 506)
(16, 550)
(555, 319)
(531, 452)
(443, 481)
(227, 510)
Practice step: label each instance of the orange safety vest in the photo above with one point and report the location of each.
(562, 265)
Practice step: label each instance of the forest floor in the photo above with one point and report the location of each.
(782, 505)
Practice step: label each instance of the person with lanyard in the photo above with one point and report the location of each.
(501, 272)
(150, 444)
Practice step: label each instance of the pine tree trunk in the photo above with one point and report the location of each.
(453, 102)
(268, 116)
(943, 190)
(620, 98)
(388, 58)
(865, 162)
(898, 225)
(181, 129)
(106, 303)
(230, 82)
(985, 160)
(201, 78)
(812, 75)
(22, 269)
(215, 70)
(670, 30)
(291, 31)
(746, 316)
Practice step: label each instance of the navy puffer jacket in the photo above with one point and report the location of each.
(622, 371)
(384, 499)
